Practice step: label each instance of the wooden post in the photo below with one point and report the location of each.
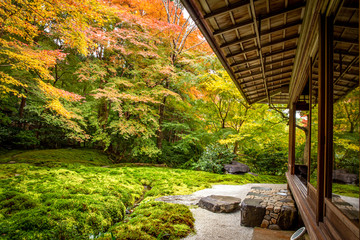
(310, 117)
(292, 118)
(329, 83)
(321, 120)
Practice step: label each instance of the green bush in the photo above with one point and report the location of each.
(26, 139)
(213, 159)
(268, 160)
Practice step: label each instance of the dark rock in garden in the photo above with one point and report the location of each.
(218, 203)
(236, 168)
(287, 217)
(340, 175)
(274, 227)
(252, 213)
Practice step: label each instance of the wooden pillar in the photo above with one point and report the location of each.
(310, 117)
(292, 119)
(329, 80)
(321, 120)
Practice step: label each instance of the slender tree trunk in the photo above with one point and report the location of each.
(236, 146)
(160, 133)
(21, 108)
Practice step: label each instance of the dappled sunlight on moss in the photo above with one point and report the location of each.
(69, 199)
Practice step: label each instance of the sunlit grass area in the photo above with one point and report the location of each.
(75, 194)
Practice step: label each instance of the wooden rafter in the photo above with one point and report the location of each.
(250, 21)
(257, 30)
(283, 81)
(346, 69)
(266, 70)
(229, 8)
(282, 40)
(267, 63)
(263, 33)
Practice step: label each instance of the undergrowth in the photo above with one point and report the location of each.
(55, 196)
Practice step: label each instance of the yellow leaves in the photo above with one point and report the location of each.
(53, 92)
(6, 81)
(56, 106)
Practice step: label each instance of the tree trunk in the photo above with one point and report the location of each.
(236, 145)
(21, 108)
(160, 134)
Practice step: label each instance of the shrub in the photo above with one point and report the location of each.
(213, 159)
(268, 160)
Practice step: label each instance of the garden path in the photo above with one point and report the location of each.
(225, 226)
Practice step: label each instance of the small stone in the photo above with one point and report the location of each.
(274, 215)
(267, 217)
(273, 220)
(16, 175)
(11, 162)
(274, 227)
(264, 223)
(277, 209)
(267, 212)
(270, 207)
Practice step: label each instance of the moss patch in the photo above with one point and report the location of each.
(66, 197)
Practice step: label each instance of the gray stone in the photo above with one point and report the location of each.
(274, 227)
(267, 217)
(252, 213)
(254, 174)
(257, 194)
(218, 203)
(262, 188)
(236, 168)
(264, 223)
(287, 217)
(286, 200)
(277, 209)
(342, 176)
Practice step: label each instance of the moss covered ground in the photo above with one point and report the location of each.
(69, 194)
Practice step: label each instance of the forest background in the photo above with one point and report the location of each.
(136, 79)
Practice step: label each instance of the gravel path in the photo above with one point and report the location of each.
(212, 226)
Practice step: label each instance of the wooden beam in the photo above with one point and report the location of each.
(321, 121)
(265, 45)
(292, 122)
(276, 89)
(267, 55)
(346, 40)
(267, 16)
(263, 33)
(269, 76)
(266, 64)
(229, 8)
(346, 53)
(285, 81)
(266, 70)
(329, 113)
(346, 69)
(347, 25)
(257, 32)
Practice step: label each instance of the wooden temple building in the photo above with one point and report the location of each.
(304, 55)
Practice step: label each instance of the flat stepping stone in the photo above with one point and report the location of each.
(220, 204)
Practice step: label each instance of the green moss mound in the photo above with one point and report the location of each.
(50, 195)
(55, 157)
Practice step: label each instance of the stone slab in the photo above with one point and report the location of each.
(219, 203)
